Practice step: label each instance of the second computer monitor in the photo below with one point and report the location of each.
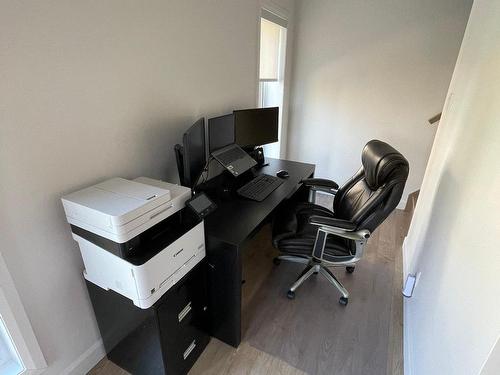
(194, 152)
(220, 132)
(256, 127)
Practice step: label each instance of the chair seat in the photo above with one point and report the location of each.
(292, 233)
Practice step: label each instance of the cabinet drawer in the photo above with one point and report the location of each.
(180, 354)
(185, 304)
(182, 317)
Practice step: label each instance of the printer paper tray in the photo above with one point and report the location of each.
(143, 284)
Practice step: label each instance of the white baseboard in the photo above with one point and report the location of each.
(406, 340)
(407, 350)
(405, 259)
(85, 362)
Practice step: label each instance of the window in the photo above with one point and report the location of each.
(10, 362)
(19, 349)
(272, 70)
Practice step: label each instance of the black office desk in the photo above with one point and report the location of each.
(228, 228)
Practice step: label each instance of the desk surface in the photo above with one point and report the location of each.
(236, 218)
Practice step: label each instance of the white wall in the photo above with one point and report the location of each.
(452, 321)
(90, 90)
(370, 69)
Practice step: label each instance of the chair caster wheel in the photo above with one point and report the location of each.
(290, 294)
(276, 261)
(350, 269)
(343, 301)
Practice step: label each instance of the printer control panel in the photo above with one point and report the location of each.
(201, 205)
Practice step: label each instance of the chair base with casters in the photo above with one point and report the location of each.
(320, 238)
(316, 265)
(313, 268)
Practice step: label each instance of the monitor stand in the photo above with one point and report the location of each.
(257, 153)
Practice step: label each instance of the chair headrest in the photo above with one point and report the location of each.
(380, 161)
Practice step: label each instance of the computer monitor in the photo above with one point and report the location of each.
(220, 132)
(193, 154)
(256, 127)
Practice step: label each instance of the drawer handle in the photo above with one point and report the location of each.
(184, 312)
(160, 212)
(163, 282)
(189, 349)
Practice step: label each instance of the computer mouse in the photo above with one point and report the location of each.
(283, 174)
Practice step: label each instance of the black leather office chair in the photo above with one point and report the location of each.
(307, 233)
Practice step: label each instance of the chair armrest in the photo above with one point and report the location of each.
(345, 225)
(339, 227)
(320, 182)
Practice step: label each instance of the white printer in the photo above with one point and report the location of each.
(134, 236)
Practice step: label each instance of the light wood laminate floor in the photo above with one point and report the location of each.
(313, 334)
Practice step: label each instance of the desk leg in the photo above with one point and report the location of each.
(224, 291)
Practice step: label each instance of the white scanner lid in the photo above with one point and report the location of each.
(119, 199)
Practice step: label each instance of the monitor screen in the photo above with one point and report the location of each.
(194, 158)
(220, 132)
(256, 127)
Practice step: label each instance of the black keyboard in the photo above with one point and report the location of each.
(260, 187)
(229, 156)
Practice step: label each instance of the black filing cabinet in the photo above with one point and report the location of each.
(165, 339)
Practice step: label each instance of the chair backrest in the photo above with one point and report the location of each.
(376, 189)
(179, 158)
